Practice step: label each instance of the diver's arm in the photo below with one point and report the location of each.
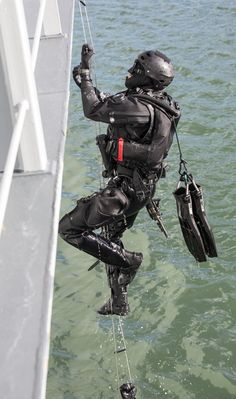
(118, 109)
(150, 154)
(153, 153)
(91, 98)
(77, 76)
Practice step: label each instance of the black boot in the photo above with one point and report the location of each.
(111, 307)
(118, 303)
(106, 251)
(126, 276)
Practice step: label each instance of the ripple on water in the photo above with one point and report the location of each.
(181, 331)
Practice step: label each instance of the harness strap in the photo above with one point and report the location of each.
(123, 171)
(151, 110)
(159, 103)
(127, 172)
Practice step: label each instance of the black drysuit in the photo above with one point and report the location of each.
(141, 125)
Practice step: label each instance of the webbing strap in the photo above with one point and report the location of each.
(183, 171)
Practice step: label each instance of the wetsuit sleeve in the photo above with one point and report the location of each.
(118, 109)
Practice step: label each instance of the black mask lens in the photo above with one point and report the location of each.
(132, 69)
(136, 68)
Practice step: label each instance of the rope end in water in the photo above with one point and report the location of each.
(120, 350)
(128, 391)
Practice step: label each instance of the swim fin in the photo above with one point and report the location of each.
(188, 224)
(201, 219)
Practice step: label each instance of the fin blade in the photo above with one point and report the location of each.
(202, 221)
(188, 225)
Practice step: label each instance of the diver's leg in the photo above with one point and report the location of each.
(119, 279)
(118, 302)
(101, 248)
(75, 230)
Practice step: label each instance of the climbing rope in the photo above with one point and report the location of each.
(119, 349)
(183, 171)
(123, 346)
(115, 351)
(125, 349)
(86, 26)
(82, 20)
(87, 39)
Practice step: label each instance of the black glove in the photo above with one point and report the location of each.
(86, 54)
(76, 75)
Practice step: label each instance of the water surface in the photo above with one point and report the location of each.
(181, 332)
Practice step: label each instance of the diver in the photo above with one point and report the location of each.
(141, 124)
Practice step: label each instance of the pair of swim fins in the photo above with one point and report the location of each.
(196, 230)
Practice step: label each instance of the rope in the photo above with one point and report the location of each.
(105, 229)
(97, 125)
(115, 345)
(125, 347)
(183, 171)
(89, 32)
(82, 21)
(88, 23)
(117, 351)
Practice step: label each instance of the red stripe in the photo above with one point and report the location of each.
(120, 149)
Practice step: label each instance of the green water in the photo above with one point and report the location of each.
(181, 332)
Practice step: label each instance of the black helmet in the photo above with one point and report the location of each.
(155, 66)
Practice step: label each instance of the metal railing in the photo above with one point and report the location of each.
(11, 159)
(37, 35)
(52, 15)
(19, 64)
